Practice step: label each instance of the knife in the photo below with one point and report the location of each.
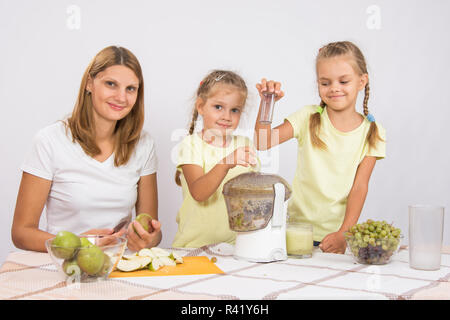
(121, 224)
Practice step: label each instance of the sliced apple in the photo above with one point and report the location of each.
(167, 261)
(160, 252)
(144, 261)
(146, 253)
(176, 257)
(128, 265)
(129, 256)
(155, 264)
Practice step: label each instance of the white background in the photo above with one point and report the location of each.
(46, 46)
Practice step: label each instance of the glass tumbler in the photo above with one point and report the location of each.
(299, 239)
(426, 228)
(267, 104)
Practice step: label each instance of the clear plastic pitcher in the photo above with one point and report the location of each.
(426, 228)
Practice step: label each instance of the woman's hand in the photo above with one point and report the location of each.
(333, 243)
(270, 86)
(242, 156)
(140, 238)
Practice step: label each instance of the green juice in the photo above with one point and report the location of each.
(299, 240)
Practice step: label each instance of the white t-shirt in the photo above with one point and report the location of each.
(85, 193)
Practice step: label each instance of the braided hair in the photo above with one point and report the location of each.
(206, 88)
(334, 49)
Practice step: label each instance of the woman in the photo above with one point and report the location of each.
(92, 169)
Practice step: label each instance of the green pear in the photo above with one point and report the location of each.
(65, 244)
(71, 267)
(91, 259)
(107, 264)
(85, 242)
(146, 222)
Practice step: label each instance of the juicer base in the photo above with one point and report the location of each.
(276, 255)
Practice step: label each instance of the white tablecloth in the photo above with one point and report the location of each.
(31, 275)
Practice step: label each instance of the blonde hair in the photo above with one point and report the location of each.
(128, 129)
(207, 88)
(335, 49)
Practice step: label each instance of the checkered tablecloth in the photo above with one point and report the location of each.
(31, 275)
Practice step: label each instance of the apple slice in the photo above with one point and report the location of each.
(144, 261)
(167, 261)
(155, 264)
(176, 257)
(129, 256)
(146, 253)
(128, 265)
(160, 252)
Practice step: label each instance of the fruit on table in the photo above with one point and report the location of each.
(153, 259)
(146, 253)
(65, 244)
(71, 267)
(146, 222)
(91, 259)
(155, 265)
(176, 257)
(128, 265)
(160, 252)
(81, 256)
(85, 242)
(373, 242)
(107, 264)
(167, 261)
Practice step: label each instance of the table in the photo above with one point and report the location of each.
(31, 275)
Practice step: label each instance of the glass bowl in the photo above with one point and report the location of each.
(377, 251)
(94, 260)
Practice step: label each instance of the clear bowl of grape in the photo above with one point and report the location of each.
(373, 242)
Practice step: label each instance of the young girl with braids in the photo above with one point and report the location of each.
(209, 158)
(337, 146)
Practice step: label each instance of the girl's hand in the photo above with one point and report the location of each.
(270, 86)
(142, 239)
(333, 243)
(242, 156)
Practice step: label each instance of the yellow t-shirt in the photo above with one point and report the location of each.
(323, 178)
(203, 223)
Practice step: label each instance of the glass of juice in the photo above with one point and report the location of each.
(299, 240)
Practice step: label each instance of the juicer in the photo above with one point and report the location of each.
(257, 209)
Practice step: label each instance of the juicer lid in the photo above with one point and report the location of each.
(255, 184)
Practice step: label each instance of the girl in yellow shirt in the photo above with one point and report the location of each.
(209, 158)
(337, 146)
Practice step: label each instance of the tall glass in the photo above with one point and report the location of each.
(426, 228)
(267, 104)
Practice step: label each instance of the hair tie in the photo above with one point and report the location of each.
(201, 83)
(319, 109)
(371, 118)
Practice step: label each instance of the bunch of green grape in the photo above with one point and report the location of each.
(373, 242)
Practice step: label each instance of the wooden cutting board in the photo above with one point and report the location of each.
(190, 266)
